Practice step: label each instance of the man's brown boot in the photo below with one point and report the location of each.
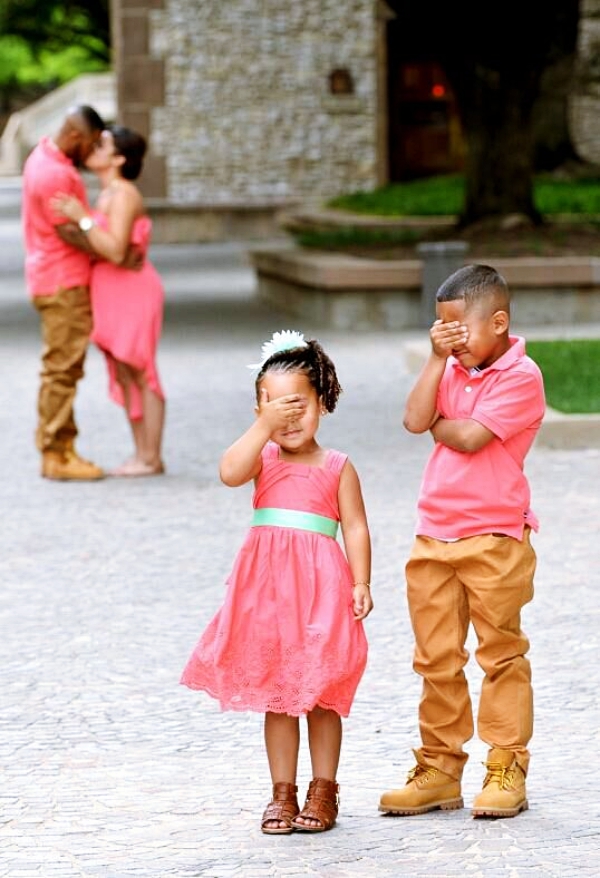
(68, 466)
(426, 789)
(503, 793)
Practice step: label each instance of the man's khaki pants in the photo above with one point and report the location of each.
(66, 323)
(485, 580)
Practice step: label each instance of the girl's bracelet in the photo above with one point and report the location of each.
(366, 584)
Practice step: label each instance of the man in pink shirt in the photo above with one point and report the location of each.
(57, 275)
(472, 562)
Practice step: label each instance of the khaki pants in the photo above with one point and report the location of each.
(483, 580)
(66, 323)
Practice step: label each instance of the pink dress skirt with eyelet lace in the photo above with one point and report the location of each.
(285, 639)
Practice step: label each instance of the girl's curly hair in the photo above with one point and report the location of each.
(311, 361)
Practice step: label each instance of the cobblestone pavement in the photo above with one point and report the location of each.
(110, 768)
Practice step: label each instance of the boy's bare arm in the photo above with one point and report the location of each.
(465, 434)
(420, 412)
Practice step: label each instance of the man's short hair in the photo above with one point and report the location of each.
(90, 117)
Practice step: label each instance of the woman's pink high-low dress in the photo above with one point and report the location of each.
(127, 310)
(285, 639)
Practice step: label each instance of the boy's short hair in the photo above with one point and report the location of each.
(476, 284)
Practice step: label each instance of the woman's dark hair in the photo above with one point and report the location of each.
(132, 146)
(311, 361)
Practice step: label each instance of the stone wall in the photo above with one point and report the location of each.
(585, 103)
(248, 115)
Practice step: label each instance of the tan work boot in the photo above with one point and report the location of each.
(68, 466)
(503, 793)
(426, 789)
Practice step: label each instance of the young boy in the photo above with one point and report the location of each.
(482, 399)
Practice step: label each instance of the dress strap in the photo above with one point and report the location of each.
(274, 517)
(270, 451)
(335, 460)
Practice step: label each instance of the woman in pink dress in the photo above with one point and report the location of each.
(289, 640)
(127, 305)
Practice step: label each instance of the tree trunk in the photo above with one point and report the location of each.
(495, 64)
(495, 55)
(500, 154)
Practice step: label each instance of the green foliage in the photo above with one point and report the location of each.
(444, 196)
(55, 26)
(433, 196)
(571, 372)
(44, 44)
(21, 68)
(567, 196)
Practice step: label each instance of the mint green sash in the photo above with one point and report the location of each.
(320, 524)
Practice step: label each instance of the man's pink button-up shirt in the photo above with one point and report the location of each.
(50, 263)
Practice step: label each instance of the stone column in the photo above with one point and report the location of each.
(140, 82)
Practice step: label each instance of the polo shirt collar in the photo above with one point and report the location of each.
(53, 151)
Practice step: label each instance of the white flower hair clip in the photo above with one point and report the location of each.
(286, 340)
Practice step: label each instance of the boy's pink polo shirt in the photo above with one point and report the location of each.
(50, 263)
(464, 494)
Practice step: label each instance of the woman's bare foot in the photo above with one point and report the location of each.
(134, 468)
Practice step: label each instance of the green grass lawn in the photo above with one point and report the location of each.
(444, 195)
(571, 372)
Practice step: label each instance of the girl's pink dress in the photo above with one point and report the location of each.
(285, 639)
(127, 310)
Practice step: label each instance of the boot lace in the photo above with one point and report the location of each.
(424, 772)
(502, 774)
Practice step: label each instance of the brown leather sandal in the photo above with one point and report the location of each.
(282, 808)
(322, 802)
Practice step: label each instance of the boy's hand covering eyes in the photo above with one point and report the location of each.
(446, 337)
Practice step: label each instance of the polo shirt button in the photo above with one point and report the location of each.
(468, 388)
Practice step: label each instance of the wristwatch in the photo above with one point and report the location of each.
(86, 223)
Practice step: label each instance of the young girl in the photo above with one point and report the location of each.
(288, 640)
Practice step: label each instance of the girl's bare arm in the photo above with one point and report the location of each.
(357, 540)
(241, 462)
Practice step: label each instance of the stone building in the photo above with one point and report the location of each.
(252, 105)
